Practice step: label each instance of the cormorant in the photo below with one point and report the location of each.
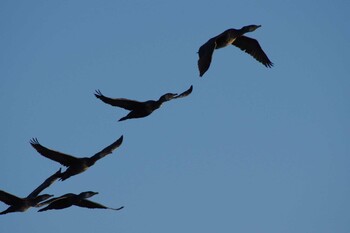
(18, 204)
(140, 109)
(75, 165)
(70, 199)
(235, 37)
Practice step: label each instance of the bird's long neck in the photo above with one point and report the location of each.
(159, 102)
(242, 31)
(233, 34)
(91, 161)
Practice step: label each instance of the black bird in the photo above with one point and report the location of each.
(75, 165)
(140, 109)
(18, 204)
(70, 199)
(235, 37)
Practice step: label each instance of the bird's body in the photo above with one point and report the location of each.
(62, 202)
(17, 204)
(71, 199)
(144, 109)
(140, 109)
(75, 165)
(226, 38)
(77, 168)
(232, 37)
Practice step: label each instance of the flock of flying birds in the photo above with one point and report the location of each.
(137, 110)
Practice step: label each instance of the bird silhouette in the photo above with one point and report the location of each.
(74, 165)
(232, 37)
(18, 204)
(140, 109)
(71, 199)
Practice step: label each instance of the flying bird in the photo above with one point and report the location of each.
(74, 165)
(235, 37)
(18, 204)
(140, 109)
(71, 199)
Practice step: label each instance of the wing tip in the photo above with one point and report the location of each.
(120, 140)
(269, 64)
(34, 141)
(98, 93)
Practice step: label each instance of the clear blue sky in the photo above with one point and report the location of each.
(251, 150)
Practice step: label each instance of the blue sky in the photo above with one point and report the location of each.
(250, 150)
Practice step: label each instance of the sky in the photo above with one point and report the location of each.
(251, 149)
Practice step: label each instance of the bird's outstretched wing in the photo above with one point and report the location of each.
(205, 54)
(185, 93)
(252, 47)
(95, 205)
(108, 150)
(64, 159)
(9, 199)
(119, 102)
(45, 184)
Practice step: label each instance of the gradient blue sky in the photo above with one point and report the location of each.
(251, 150)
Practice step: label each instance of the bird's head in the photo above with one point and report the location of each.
(250, 28)
(87, 194)
(167, 97)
